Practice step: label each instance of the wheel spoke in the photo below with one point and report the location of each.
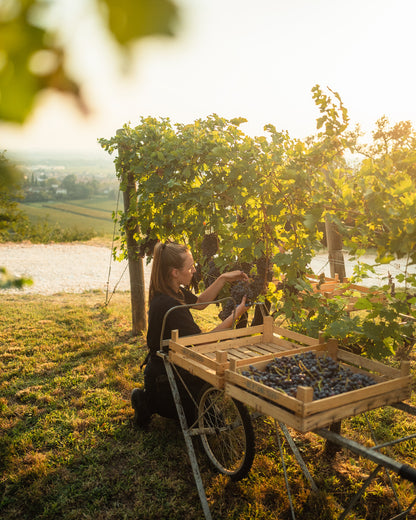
(226, 433)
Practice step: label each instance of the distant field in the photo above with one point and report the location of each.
(105, 205)
(88, 214)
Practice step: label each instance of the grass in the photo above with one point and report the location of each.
(68, 449)
(84, 211)
(92, 215)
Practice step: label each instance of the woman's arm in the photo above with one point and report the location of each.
(228, 322)
(212, 291)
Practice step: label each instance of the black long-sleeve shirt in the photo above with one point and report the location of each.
(179, 319)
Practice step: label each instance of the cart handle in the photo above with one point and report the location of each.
(403, 470)
(164, 344)
(408, 472)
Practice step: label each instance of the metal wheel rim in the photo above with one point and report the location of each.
(222, 431)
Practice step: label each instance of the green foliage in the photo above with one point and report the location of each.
(10, 192)
(32, 56)
(255, 194)
(10, 216)
(7, 281)
(267, 198)
(129, 21)
(384, 209)
(221, 180)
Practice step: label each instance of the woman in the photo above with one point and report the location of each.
(172, 271)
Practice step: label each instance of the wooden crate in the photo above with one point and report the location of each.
(304, 414)
(208, 356)
(331, 287)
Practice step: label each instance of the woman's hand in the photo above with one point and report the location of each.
(212, 291)
(233, 276)
(241, 307)
(235, 315)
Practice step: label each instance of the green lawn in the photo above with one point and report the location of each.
(68, 449)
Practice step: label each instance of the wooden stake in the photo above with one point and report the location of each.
(135, 261)
(335, 254)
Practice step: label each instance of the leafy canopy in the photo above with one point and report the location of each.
(33, 57)
(266, 199)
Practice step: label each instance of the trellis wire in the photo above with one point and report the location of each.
(107, 299)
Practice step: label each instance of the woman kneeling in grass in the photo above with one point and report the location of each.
(172, 271)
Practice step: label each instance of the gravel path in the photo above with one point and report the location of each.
(68, 268)
(75, 268)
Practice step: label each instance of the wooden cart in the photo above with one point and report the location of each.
(220, 358)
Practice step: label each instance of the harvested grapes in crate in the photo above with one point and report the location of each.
(317, 387)
(326, 376)
(209, 355)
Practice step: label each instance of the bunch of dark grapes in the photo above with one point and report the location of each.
(251, 290)
(237, 292)
(322, 373)
(196, 277)
(257, 287)
(210, 245)
(227, 309)
(211, 274)
(246, 267)
(147, 246)
(264, 269)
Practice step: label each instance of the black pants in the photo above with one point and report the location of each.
(159, 393)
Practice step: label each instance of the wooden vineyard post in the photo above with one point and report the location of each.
(335, 254)
(135, 261)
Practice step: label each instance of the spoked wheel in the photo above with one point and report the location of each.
(227, 433)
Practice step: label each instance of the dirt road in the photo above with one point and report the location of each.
(70, 268)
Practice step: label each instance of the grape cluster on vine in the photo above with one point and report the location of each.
(147, 246)
(326, 376)
(210, 245)
(252, 289)
(196, 277)
(237, 292)
(211, 274)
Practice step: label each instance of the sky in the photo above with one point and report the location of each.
(236, 58)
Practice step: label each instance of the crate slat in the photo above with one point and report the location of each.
(192, 355)
(270, 347)
(224, 345)
(296, 336)
(262, 406)
(198, 370)
(278, 397)
(353, 396)
(212, 337)
(369, 364)
(336, 414)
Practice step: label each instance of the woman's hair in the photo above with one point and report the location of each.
(166, 256)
